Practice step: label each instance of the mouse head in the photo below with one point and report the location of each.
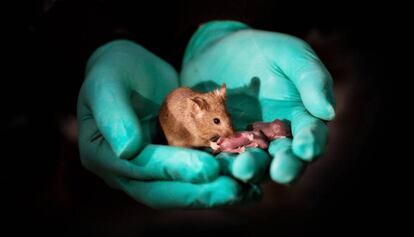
(210, 114)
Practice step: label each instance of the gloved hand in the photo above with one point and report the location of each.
(117, 113)
(269, 76)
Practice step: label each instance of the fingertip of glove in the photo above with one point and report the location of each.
(285, 168)
(322, 110)
(243, 167)
(127, 148)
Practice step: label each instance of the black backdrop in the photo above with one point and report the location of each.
(45, 187)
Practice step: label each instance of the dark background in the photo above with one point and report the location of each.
(46, 189)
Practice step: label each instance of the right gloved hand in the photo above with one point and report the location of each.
(117, 113)
(269, 75)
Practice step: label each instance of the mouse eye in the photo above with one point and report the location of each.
(216, 120)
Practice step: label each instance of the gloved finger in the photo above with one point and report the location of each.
(162, 162)
(223, 191)
(249, 166)
(310, 135)
(153, 162)
(313, 81)
(285, 166)
(110, 106)
(121, 76)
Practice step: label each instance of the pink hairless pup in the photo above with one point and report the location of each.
(260, 136)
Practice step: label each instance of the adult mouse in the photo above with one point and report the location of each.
(193, 119)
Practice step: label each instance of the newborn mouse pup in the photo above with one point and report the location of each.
(193, 119)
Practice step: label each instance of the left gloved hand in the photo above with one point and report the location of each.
(269, 76)
(118, 106)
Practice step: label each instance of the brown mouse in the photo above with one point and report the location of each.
(193, 119)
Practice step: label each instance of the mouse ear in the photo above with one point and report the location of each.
(198, 104)
(222, 91)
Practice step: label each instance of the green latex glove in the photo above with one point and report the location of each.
(118, 106)
(268, 75)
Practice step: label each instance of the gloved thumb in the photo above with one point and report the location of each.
(114, 115)
(313, 81)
